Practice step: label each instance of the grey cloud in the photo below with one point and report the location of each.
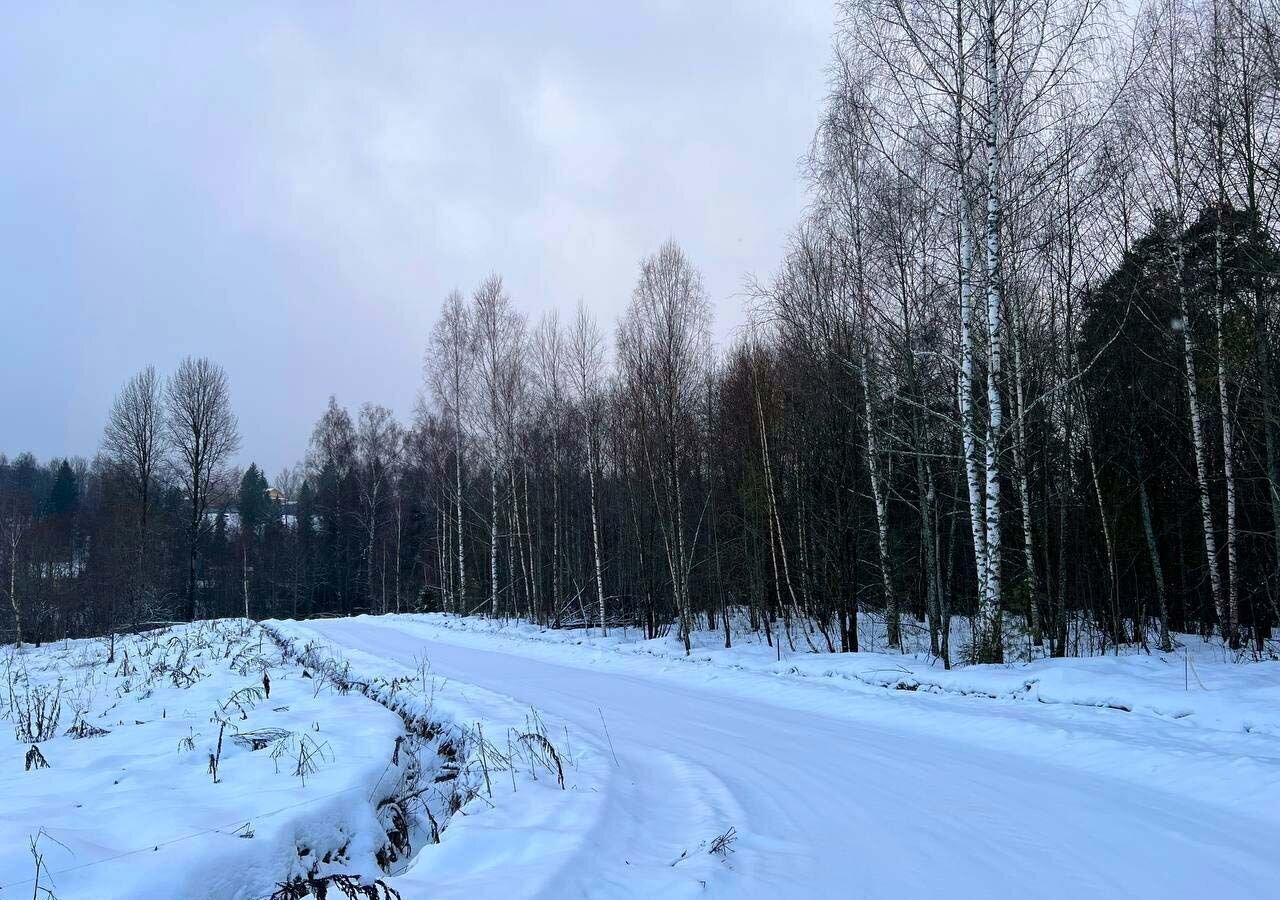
(292, 189)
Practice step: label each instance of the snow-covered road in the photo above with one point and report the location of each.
(832, 793)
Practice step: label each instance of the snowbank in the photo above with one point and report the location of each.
(129, 806)
(1196, 684)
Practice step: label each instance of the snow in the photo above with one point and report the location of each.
(1196, 682)
(135, 813)
(839, 785)
(872, 775)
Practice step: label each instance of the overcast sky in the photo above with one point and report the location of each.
(292, 190)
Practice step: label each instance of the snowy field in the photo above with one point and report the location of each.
(559, 764)
(171, 768)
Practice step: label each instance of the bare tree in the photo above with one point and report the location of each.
(1168, 130)
(330, 460)
(549, 354)
(586, 350)
(202, 432)
(288, 481)
(451, 359)
(14, 527)
(664, 349)
(500, 342)
(378, 444)
(135, 442)
(400, 501)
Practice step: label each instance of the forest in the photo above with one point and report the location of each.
(1015, 367)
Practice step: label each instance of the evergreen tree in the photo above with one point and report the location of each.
(64, 498)
(60, 512)
(255, 506)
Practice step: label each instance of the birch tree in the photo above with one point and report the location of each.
(451, 358)
(1165, 30)
(500, 343)
(550, 356)
(378, 442)
(203, 434)
(586, 355)
(663, 347)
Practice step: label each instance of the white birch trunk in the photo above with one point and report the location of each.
(445, 563)
(684, 560)
(1020, 457)
(989, 609)
(373, 530)
(1197, 438)
(556, 588)
(892, 624)
(457, 471)
(399, 537)
(595, 534)
(532, 575)
(15, 538)
(964, 400)
(775, 523)
(1230, 625)
(493, 540)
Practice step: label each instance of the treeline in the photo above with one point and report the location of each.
(1017, 366)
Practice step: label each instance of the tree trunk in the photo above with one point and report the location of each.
(493, 540)
(965, 402)
(399, 514)
(457, 470)
(893, 631)
(1198, 440)
(13, 585)
(1230, 625)
(991, 646)
(244, 571)
(1020, 462)
(191, 569)
(595, 533)
(1156, 569)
